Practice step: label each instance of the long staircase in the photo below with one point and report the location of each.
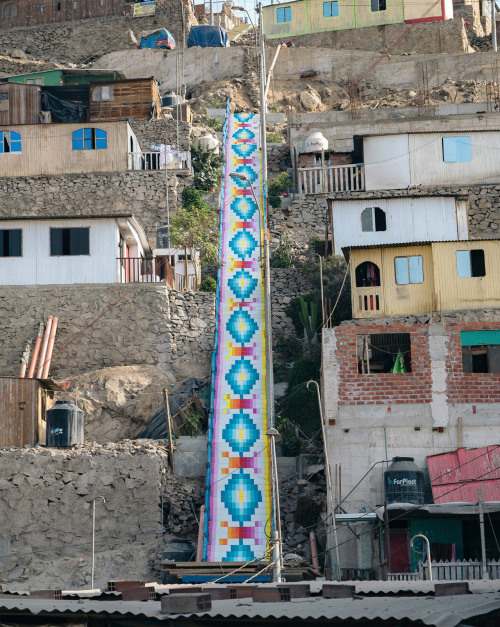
(238, 518)
(239, 30)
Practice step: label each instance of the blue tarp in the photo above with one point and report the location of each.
(208, 37)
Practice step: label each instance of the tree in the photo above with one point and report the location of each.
(207, 167)
(276, 187)
(195, 228)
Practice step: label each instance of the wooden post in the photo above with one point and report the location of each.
(169, 429)
(483, 541)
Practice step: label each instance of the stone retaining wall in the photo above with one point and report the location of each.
(286, 284)
(53, 550)
(164, 131)
(141, 193)
(138, 324)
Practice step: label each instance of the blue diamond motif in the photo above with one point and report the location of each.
(243, 244)
(242, 377)
(249, 172)
(244, 133)
(240, 433)
(241, 485)
(242, 326)
(244, 207)
(244, 150)
(243, 117)
(242, 284)
(239, 553)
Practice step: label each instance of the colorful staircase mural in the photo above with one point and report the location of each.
(238, 518)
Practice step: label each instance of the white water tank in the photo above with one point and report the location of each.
(315, 142)
(209, 141)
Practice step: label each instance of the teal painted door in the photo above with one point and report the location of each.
(439, 532)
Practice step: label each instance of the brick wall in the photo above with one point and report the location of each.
(469, 387)
(414, 387)
(378, 389)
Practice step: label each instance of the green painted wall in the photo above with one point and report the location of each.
(50, 78)
(447, 531)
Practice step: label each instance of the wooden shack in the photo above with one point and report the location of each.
(23, 405)
(136, 99)
(15, 13)
(20, 104)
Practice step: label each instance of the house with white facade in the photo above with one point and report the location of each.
(87, 250)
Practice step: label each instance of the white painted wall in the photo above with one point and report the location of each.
(407, 220)
(387, 164)
(428, 168)
(38, 267)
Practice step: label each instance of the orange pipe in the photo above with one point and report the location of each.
(314, 550)
(22, 370)
(36, 350)
(41, 361)
(50, 348)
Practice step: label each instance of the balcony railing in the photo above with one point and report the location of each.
(368, 301)
(159, 161)
(330, 179)
(153, 270)
(145, 270)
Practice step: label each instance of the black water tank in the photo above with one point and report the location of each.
(404, 482)
(64, 425)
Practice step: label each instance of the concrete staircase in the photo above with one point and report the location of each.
(238, 31)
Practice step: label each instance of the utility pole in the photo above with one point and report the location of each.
(276, 540)
(481, 530)
(493, 25)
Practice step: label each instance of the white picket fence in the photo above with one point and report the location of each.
(450, 571)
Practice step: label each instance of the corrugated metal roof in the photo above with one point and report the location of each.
(435, 612)
(459, 475)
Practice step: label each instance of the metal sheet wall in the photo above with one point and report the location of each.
(454, 292)
(19, 104)
(38, 267)
(387, 164)
(47, 149)
(428, 168)
(407, 220)
(34, 12)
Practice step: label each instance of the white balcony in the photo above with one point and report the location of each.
(331, 179)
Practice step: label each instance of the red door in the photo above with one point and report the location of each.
(398, 548)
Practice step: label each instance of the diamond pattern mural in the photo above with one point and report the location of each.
(238, 492)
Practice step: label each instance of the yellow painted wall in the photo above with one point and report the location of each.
(454, 292)
(47, 149)
(394, 299)
(416, 10)
(307, 17)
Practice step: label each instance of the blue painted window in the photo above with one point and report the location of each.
(284, 14)
(470, 263)
(90, 139)
(409, 270)
(456, 149)
(10, 142)
(378, 5)
(331, 9)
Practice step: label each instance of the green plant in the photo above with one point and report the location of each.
(287, 348)
(276, 187)
(192, 197)
(209, 284)
(214, 101)
(214, 123)
(308, 315)
(292, 310)
(281, 257)
(193, 423)
(274, 108)
(336, 287)
(207, 167)
(300, 406)
(304, 370)
(290, 443)
(195, 228)
(275, 137)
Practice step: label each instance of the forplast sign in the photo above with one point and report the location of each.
(404, 481)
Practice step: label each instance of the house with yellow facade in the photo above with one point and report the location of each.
(305, 17)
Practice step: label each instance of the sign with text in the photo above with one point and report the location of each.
(141, 9)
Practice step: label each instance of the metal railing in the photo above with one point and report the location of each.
(459, 570)
(329, 179)
(159, 161)
(145, 270)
